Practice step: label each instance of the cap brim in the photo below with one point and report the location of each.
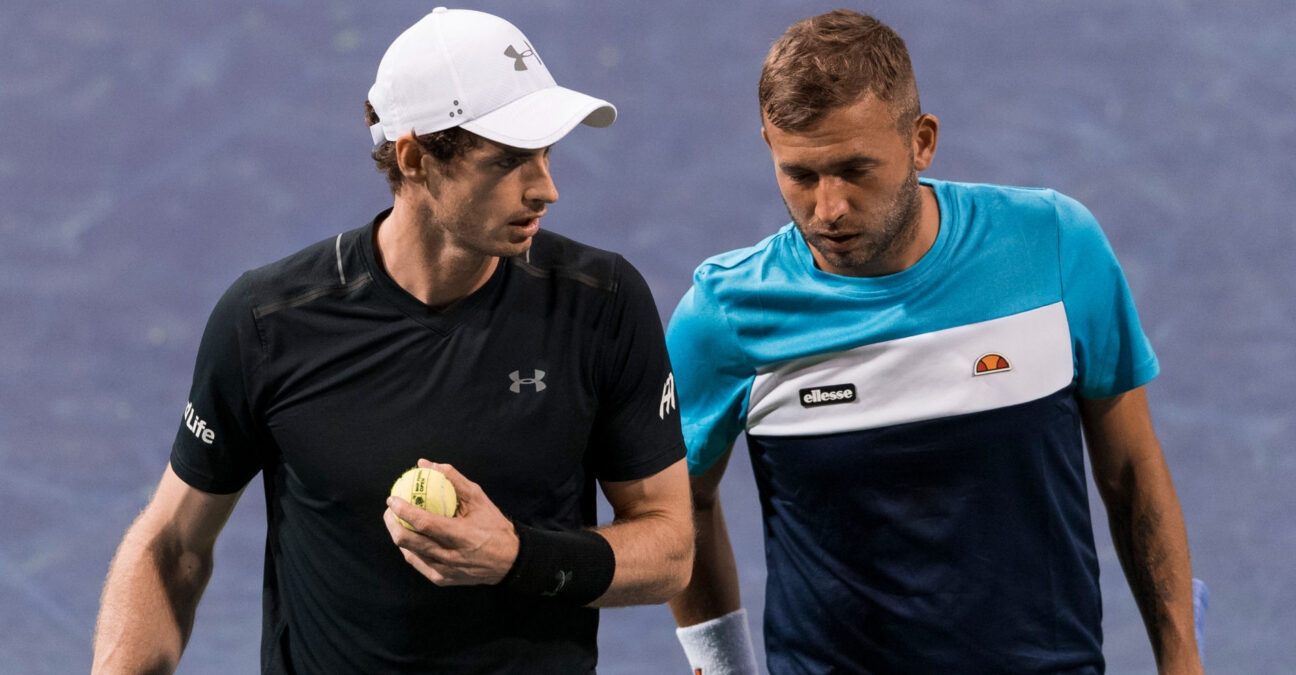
(542, 117)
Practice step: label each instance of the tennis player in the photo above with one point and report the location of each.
(453, 332)
(915, 363)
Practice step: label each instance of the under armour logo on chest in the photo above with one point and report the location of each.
(537, 381)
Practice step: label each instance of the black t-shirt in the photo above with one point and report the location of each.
(322, 373)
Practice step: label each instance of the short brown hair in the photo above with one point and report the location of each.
(833, 60)
(445, 146)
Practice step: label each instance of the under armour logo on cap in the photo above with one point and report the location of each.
(519, 60)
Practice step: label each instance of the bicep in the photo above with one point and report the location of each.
(184, 515)
(665, 493)
(1119, 434)
(705, 487)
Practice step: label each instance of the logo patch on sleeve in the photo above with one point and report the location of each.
(827, 395)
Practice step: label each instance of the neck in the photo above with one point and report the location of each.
(424, 263)
(928, 223)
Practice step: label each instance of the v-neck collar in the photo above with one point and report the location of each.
(441, 320)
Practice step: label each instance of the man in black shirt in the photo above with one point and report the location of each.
(449, 332)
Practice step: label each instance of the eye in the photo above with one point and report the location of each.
(800, 177)
(511, 162)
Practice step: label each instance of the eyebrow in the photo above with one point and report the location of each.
(502, 151)
(854, 162)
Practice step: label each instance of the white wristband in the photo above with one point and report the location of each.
(721, 646)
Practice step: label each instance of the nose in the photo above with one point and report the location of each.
(540, 188)
(831, 202)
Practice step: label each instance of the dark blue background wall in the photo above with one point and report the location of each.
(151, 150)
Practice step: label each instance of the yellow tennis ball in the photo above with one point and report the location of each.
(427, 489)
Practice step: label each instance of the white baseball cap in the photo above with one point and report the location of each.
(463, 68)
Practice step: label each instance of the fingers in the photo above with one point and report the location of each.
(469, 493)
(477, 546)
(422, 566)
(436, 562)
(445, 566)
(422, 524)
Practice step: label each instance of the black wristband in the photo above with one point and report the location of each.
(573, 566)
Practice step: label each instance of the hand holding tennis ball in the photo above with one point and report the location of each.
(467, 541)
(427, 489)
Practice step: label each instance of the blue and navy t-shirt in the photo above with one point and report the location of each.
(916, 438)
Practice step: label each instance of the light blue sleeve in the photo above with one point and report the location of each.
(712, 378)
(1112, 354)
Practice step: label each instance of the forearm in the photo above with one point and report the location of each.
(148, 605)
(651, 538)
(1151, 542)
(713, 588)
(1146, 522)
(653, 556)
(713, 628)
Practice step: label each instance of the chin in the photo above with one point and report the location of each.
(515, 248)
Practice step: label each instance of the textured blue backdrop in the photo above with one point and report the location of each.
(150, 151)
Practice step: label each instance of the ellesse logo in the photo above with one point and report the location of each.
(991, 363)
(827, 395)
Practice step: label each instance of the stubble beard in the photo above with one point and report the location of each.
(899, 229)
(451, 227)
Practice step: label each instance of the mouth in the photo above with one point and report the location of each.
(527, 226)
(838, 242)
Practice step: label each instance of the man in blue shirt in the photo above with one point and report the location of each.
(914, 363)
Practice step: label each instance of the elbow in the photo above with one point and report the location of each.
(704, 498)
(681, 562)
(672, 584)
(187, 568)
(183, 574)
(681, 572)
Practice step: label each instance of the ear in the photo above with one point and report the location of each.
(764, 136)
(926, 131)
(409, 157)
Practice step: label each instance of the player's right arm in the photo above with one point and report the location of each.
(146, 613)
(712, 379)
(712, 591)
(713, 626)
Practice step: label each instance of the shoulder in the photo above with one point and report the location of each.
(558, 258)
(737, 288)
(307, 268)
(742, 269)
(305, 274)
(234, 324)
(1044, 221)
(1031, 202)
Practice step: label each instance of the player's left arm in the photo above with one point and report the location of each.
(651, 536)
(1146, 522)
